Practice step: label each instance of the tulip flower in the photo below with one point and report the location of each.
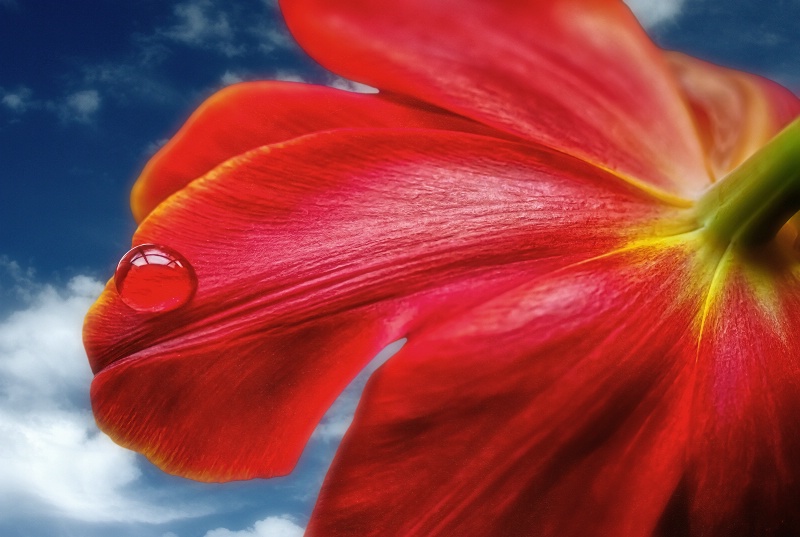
(588, 242)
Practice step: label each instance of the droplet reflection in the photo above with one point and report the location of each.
(154, 278)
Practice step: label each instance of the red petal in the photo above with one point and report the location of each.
(736, 113)
(744, 456)
(245, 116)
(312, 255)
(559, 409)
(579, 76)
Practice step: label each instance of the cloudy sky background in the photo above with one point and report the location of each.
(88, 91)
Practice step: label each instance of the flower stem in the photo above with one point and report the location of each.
(751, 204)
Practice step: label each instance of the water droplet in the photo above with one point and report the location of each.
(154, 278)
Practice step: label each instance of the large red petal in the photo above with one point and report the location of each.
(577, 75)
(245, 116)
(736, 113)
(745, 469)
(558, 409)
(313, 254)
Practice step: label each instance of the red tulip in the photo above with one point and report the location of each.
(587, 241)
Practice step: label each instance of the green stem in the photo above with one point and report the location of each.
(752, 203)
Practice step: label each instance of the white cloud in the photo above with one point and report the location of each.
(287, 76)
(200, 23)
(274, 526)
(41, 350)
(271, 37)
(84, 102)
(15, 282)
(349, 85)
(80, 106)
(220, 26)
(76, 106)
(229, 78)
(153, 147)
(53, 460)
(19, 100)
(216, 26)
(293, 76)
(14, 102)
(60, 464)
(652, 13)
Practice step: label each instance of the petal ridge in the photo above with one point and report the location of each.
(370, 212)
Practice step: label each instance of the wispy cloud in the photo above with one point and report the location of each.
(153, 147)
(233, 77)
(283, 75)
(80, 106)
(19, 100)
(274, 526)
(349, 85)
(222, 27)
(131, 80)
(229, 77)
(247, 32)
(17, 284)
(269, 36)
(655, 13)
(200, 23)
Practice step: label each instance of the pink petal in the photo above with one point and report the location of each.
(313, 254)
(736, 113)
(245, 116)
(559, 409)
(579, 76)
(744, 467)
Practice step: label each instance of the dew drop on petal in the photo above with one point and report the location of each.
(154, 278)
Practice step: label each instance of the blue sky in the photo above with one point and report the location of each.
(88, 91)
